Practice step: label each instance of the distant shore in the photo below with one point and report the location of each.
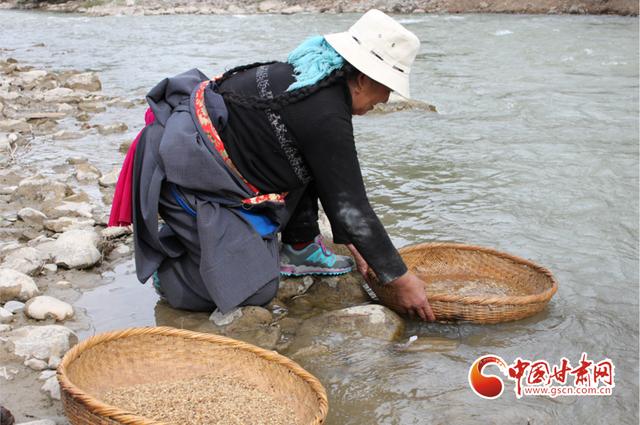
(220, 7)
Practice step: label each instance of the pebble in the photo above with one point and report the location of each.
(36, 364)
(5, 315)
(42, 342)
(16, 285)
(52, 387)
(14, 306)
(44, 307)
(27, 260)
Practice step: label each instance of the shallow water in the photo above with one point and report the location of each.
(534, 152)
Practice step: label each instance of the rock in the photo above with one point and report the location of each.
(8, 190)
(46, 375)
(36, 364)
(88, 81)
(292, 10)
(251, 324)
(428, 345)
(63, 224)
(32, 217)
(68, 209)
(87, 172)
(44, 307)
(26, 260)
(9, 289)
(75, 160)
(112, 128)
(6, 418)
(61, 95)
(5, 328)
(52, 387)
(124, 146)
(50, 268)
(14, 306)
(39, 188)
(76, 248)
(5, 316)
(88, 106)
(54, 362)
(267, 6)
(291, 287)
(119, 251)
(39, 422)
(114, 232)
(110, 179)
(15, 126)
(63, 284)
(42, 342)
(11, 278)
(28, 77)
(337, 292)
(370, 320)
(66, 135)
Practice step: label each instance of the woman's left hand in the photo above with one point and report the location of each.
(361, 264)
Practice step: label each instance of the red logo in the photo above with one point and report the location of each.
(539, 378)
(487, 386)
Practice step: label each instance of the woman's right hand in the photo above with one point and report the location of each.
(409, 297)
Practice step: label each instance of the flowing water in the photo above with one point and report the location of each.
(534, 152)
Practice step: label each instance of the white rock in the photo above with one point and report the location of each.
(112, 128)
(66, 135)
(87, 172)
(63, 284)
(5, 328)
(10, 278)
(39, 188)
(72, 209)
(122, 249)
(63, 224)
(116, 231)
(109, 179)
(5, 315)
(54, 362)
(14, 306)
(220, 319)
(51, 268)
(8, 190)
(43, 307)
(52, 387)
(78, 159)
(31, 76)
(46, 374)
(42, 342)
(36, 364)
(32, 217)
(39, 422)
(61, 94)
(18, 126)
(27, 260)
(270, 6)
(84, 81)
(76, 248)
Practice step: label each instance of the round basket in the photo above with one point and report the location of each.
(140, 356)
(515, 288)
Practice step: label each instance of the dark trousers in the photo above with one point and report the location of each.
(303, 221)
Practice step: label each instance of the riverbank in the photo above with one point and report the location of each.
(172, 7)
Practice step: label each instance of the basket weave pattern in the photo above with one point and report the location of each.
(155, 354)
(457, 262)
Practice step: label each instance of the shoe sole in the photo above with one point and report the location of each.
(307, 271)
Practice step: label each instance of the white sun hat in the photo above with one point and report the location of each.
(379, 47)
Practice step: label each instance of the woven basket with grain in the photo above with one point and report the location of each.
(471, 283)
(155, 358)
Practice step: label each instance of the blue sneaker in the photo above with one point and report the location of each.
(314, 259)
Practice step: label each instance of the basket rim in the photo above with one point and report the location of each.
(542, 297)
(97, 407)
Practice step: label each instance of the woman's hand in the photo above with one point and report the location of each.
(361, 264)
(409, 297)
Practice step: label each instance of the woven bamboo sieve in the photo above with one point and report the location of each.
(159, 354)
(458, 262)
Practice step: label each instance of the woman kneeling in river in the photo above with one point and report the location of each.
(230, 162)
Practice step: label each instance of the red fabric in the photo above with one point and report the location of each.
(121, 209)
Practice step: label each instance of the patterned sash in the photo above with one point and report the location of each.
(212, 134)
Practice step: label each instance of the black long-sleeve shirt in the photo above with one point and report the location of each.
(320, 128)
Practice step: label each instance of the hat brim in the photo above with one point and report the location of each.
(369, 64)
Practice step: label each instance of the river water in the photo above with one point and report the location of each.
(534, 151)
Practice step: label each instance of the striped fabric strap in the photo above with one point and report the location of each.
(214, 138)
